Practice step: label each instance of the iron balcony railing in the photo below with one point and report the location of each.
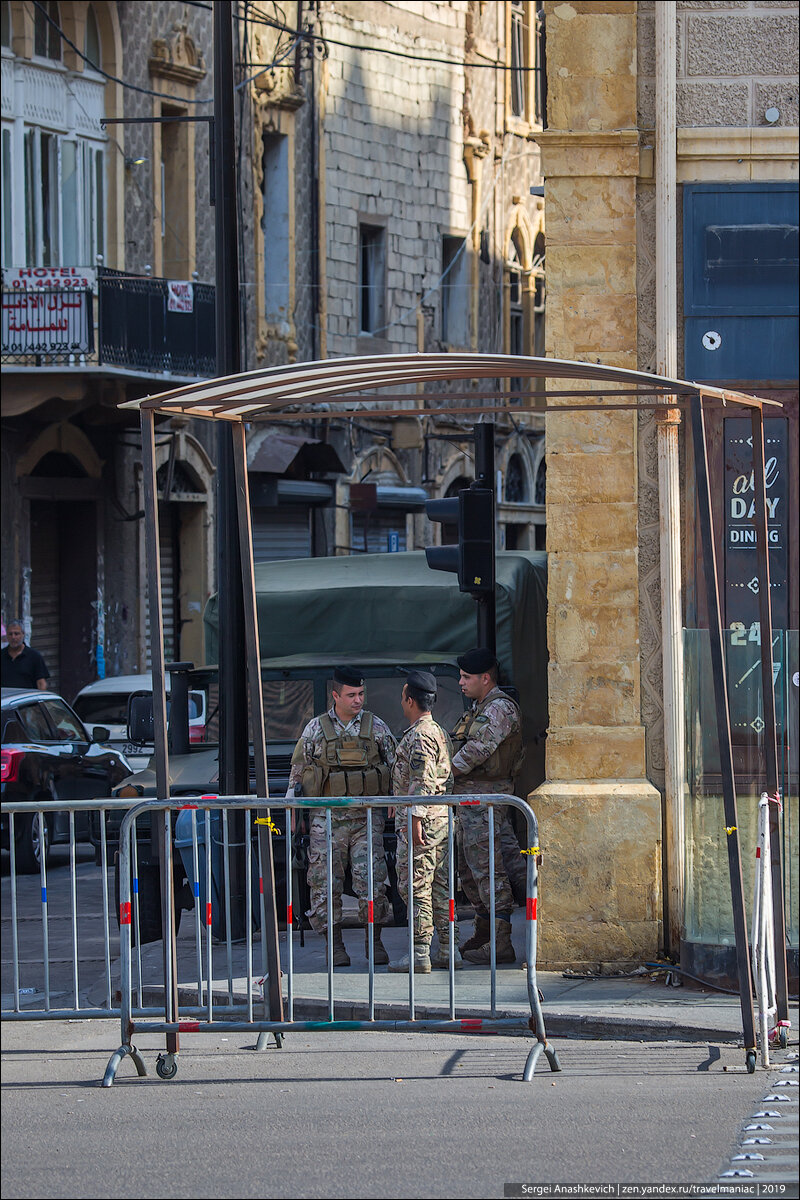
(156, 326)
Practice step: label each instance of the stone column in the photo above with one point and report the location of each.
(599, 816)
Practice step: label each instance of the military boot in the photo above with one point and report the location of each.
(480, 934)
(442, 957)
(340, 956)
(422, 961)
(378, 949)
(504, 951)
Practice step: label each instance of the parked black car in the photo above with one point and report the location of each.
(48, 755)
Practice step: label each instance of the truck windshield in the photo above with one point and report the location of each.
(382, 696)
(289, 705)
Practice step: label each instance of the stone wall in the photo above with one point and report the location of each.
(735, 59)
(393, 155)
(140, 25)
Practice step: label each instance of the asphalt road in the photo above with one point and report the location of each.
(359, 1114)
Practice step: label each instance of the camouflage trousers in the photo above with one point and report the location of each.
(348, 845)
(431, 880)
(472, 831)
(513, 861)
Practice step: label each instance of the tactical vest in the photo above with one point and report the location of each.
(348, 766)
(503, 763)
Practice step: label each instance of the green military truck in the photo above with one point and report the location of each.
(390, 612)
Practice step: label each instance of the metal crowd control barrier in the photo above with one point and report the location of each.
(89, 931)
(762, 938)
(205, 1015)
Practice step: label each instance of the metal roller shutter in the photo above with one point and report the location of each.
(378, 526)
(45, 587)
(169, 589)
(281, 533)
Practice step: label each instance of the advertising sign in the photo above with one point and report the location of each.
(741, 564)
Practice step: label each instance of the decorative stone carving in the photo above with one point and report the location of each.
(177, 57)
(275, 87)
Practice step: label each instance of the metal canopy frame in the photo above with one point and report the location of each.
(336, 389)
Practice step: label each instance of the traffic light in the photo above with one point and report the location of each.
(472, 559)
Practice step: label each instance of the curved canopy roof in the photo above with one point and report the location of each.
(340, 386)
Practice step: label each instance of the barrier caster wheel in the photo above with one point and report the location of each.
(783, 1037)
(166, 1066)
(751, 1062)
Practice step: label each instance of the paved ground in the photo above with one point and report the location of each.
(652, 1088)
(385, 1114)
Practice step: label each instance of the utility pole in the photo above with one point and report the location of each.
(234, 772)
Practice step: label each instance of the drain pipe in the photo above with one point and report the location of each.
(668, 421)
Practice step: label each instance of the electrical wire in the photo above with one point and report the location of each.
(259, 18)
(134, 87)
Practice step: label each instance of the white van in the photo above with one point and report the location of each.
(105, 702)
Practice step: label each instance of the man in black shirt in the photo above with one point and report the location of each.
(22, 667)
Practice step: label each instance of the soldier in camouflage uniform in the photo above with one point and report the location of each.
(346, 752)
(422, 768)
(488, 754)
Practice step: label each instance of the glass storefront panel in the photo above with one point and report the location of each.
(708, 914)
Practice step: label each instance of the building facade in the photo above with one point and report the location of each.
(670, 159)
(395, 165)
(107, 257)
(390, 211)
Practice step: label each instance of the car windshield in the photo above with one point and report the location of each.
(103, 708)
(111, 708)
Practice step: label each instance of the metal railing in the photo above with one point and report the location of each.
(205, 1017)
(198, 989)
(137, 328)
(762, 941)
(139, 325)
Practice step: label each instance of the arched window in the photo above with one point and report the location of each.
(450, 528)
(46, 36)
(539, 296)
(91, 46)
(516, 482)
(540, 490)
(5, 25)
(515, 291)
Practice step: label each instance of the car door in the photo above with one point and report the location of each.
(48, 763)
(43, 760)
(67, 742)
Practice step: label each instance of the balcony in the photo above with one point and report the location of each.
(130, 323)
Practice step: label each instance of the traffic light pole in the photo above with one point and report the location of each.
(484, 475)
(234, 772)
(473, 559)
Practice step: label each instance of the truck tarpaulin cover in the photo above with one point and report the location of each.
(395, 606)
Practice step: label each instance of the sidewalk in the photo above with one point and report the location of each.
(636, 1008)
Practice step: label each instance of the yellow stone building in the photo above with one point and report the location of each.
(643, 100)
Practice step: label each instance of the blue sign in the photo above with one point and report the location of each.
(393, 543)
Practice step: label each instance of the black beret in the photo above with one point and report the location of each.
(424, 681)
(477, 661)
(348, 676)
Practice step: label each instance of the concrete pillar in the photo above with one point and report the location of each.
(669, 489)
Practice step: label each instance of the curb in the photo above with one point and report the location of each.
(557, 1024)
